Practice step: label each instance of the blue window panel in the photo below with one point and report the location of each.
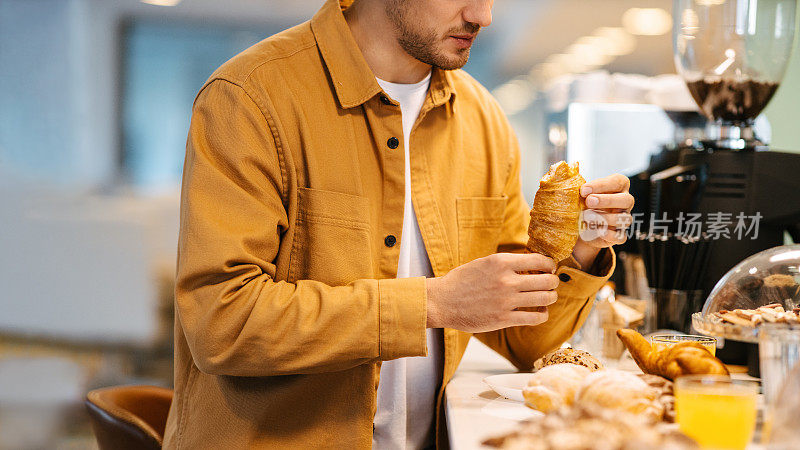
(164, 65)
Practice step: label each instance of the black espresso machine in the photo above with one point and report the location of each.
(746, 194)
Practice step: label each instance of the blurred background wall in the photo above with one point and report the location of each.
(95, 100)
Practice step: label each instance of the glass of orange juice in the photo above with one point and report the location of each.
(716, 411)
(662, 341)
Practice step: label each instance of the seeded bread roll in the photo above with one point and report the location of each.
(568, 356)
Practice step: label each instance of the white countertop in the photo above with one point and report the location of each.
(475, 412)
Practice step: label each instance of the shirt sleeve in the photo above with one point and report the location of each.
(576, 291)
(237, 318)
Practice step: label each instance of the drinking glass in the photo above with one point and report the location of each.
(674, 308)
(716, 411)
(662, 341)
(778, 352)
(780, 431)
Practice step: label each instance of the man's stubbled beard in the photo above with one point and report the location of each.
(423, 45)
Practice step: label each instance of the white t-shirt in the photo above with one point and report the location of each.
(407, 388)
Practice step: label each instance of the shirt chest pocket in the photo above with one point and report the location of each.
(480, 222)
(332, 239)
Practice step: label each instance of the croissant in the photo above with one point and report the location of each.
(555, 217)
(685, 358)
(621, 391)
(552, 387)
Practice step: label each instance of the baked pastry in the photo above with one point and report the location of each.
(588, 427)
(666, 394)
(684, 358)
(554, 386)
(555, 217)
(622, 391)
(568, 356)
(772, 313)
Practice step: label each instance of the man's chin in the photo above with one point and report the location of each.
(443, 58)
(452, 59)
(455, 62)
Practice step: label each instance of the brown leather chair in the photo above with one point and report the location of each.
(129, 417)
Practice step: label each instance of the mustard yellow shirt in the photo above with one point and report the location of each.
(286, 299)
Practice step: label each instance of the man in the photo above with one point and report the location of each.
(351, 216)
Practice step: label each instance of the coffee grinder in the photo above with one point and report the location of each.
(732, 55)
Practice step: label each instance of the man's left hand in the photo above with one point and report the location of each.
(606, 218)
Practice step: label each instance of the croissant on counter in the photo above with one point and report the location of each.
(622, 391)
(556, 213)
(685, 358)
(554, 386)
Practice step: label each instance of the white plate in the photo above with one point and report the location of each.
(509, 385)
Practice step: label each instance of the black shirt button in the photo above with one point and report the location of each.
(390, 240)
(385, 100)
(393, 143)
(564, 277)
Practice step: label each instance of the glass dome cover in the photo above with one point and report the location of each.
(771, 277)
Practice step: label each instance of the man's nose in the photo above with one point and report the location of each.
(479, 12)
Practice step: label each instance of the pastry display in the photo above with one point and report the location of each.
(621, 391)
(780, 289)
(588, 427)
(761, 289)
(684, 358)
(555, 217)
(554, 386)
(772, 313)
(568, 356)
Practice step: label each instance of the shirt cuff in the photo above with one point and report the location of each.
(603, 262)
(574, 282)
(403, 315)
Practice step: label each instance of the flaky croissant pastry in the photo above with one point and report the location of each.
(622, 391)
(555, 217)
(554, 386)
(685, 358)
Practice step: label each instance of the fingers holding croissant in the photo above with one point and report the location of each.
(608, 217)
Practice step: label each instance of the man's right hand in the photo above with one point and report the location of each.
(484, 294)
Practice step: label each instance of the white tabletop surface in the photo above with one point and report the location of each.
(475, 412)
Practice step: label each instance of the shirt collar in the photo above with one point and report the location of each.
(352, 77)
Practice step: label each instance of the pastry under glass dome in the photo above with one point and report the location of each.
(766, 278)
